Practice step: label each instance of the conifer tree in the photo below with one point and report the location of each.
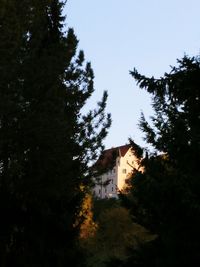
(166, 195)
(46, 144)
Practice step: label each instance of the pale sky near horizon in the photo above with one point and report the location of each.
(117, 36)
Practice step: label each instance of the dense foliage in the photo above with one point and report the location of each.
(45, 142)
(115, 233)
(165, 198)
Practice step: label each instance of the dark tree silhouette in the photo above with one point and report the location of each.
(165, 198)
(46, 144)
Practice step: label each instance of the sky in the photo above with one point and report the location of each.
(117, 36)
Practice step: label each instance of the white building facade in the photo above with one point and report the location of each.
(118, 163)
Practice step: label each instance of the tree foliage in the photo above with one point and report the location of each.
(46, 143)
(166, 196)
(115, 234)
(88, 226)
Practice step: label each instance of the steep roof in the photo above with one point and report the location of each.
(107, 159)
(123, 149)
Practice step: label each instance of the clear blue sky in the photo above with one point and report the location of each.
(117, 36)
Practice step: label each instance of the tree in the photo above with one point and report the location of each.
(166, 195)
(115, 234)
(46, 144)
(88, 226)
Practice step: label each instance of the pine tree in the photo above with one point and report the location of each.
(166, 195)
(11, 38)
(46, 144)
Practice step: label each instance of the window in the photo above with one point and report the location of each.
(112, 189)
(124, 171)
(105, 190)
(99, 191)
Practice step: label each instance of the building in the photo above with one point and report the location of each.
(114, 166)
